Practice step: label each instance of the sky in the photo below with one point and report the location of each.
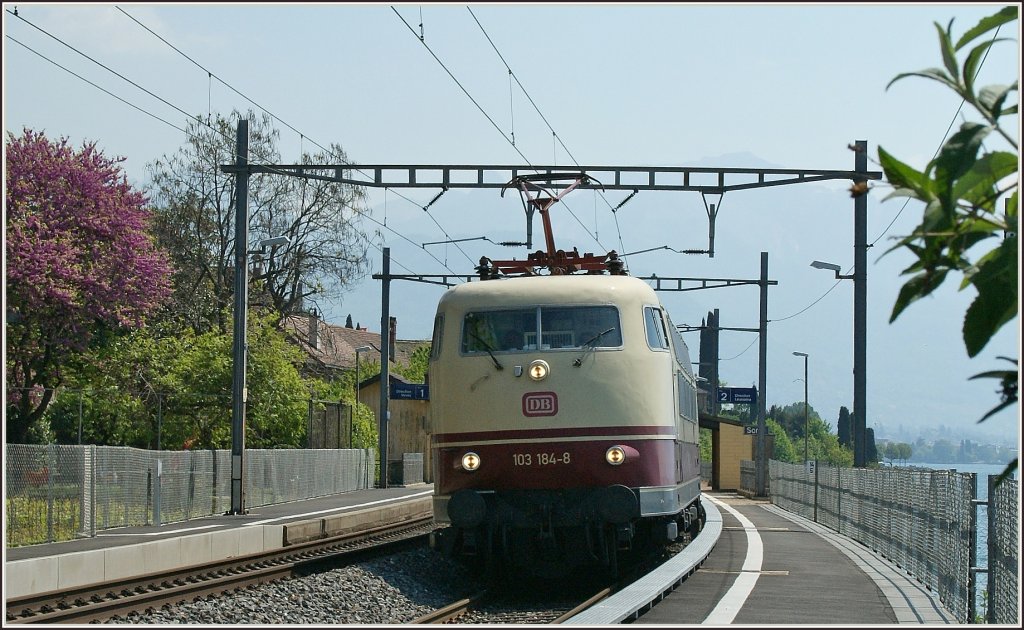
(727, 85)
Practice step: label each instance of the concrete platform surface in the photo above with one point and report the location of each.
(132, 551)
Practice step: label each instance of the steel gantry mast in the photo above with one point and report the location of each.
(561, 180)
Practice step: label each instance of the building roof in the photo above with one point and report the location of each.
(335, 346)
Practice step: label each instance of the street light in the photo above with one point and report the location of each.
(358, 350)
(817, 264)
(239, 392)
(804, 355)
(860, 335)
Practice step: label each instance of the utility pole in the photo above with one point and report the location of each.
(239, 351)
(385, 378)
(761, 454)
(860, 306)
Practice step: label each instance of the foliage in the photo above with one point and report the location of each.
(364, 421)
(897, 452)
(183, 381)
(970, 196)
(783, 449)
(827, 449)
(80, 264)
(870, 446)
(844, 428)
(705, 445)
(195, 206)
(416, 370)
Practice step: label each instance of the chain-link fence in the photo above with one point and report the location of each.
(59, 492)
(923, 521)
(1003, 551)
(171, 420)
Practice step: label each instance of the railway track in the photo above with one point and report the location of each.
(104, 600)
(484, 603)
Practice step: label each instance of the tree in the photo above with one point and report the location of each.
(181, 380)
(970, 196)
(195, 205)
(782, 447)
(904, 451)
(81, 265)
(844, 428)
(348, 321)
(870, 449)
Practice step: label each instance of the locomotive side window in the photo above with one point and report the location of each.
(515, 330)
(435, 343)
(657, 337)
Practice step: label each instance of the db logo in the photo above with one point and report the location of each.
(540, 404)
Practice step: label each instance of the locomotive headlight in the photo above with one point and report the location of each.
(470, 461)
(539, 370)
(615, 455)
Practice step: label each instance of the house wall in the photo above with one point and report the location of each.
(733, 446)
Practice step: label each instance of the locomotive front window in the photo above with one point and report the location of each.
(571, 327)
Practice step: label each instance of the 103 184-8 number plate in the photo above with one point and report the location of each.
(541, 459)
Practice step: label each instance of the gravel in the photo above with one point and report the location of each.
(392, 590)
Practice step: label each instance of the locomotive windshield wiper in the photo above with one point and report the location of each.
(488, 348)
(588, 347)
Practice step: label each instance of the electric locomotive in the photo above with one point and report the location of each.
(565, 418)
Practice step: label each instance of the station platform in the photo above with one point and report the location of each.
(766, 566)
(772, 567)
(131, 551)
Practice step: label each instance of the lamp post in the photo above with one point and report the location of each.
(239, 392)
(358, 350)
(804, 355)
(859, 278)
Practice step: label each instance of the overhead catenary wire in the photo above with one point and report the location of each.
(482, 111)
(554, 134)
(906, 202)
(198, 120)
(108, 92)
(302, 136)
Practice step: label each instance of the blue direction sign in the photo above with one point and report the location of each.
(741, 395)
(409, 391)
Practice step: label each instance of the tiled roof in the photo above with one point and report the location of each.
(336, 345)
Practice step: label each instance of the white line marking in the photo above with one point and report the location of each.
(269, 520)
(731, 603)
(347, 507)
(157, 533)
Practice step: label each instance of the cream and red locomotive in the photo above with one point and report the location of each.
(564, 413)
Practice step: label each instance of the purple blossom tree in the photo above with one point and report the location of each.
(80, 260)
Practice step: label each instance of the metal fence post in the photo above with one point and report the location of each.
(80, 394)
(50, 460)
(815, 491)
(990, 611)
(156, 491)
(972, 550)
(159, 418)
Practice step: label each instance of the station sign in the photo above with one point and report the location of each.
(737, 395)
(410, 391)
